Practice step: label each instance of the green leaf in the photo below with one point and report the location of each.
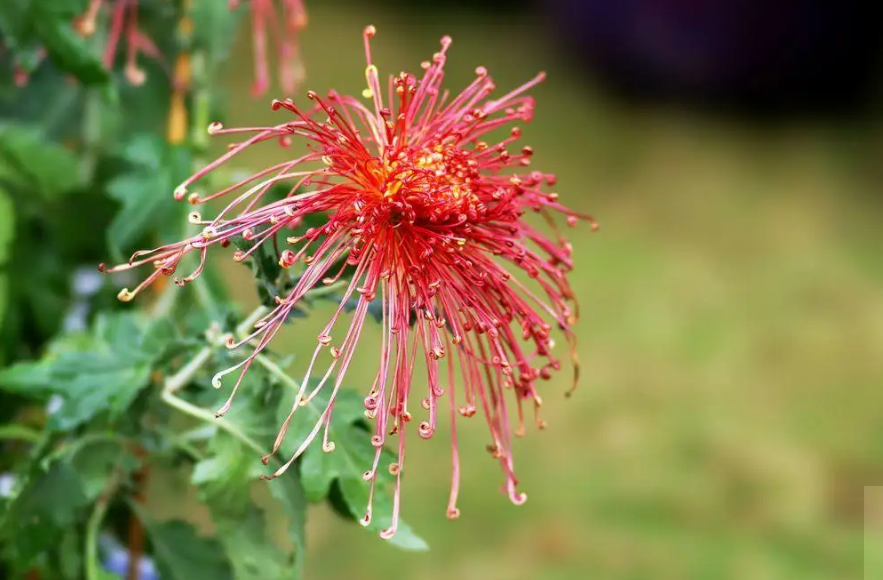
(216, 295)
(69, 51)
(289, 493)
(50, 504)
(214, 29)
(225, 476)
(97, 373)
(31, 379)
(58, 9)
(103, 574)
(70, 554)
(352, 456)
(252, 554)
(34, 162)
(145, 191)
(96, 461)
(355, 493)
(54, 491)
(7, 225)
(15, 431)
(47, 23)
(7, 233)
(15, 23)
(181, 554)
(265, 264)
(96, 383)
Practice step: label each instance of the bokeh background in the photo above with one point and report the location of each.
(731, 408)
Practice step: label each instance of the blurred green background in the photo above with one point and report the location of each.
(731, 407)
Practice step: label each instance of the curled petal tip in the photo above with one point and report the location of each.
(135, 75)
(517, 498)
(425, 430)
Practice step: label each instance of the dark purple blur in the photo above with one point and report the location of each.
(755, 53)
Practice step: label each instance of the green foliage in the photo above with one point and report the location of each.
(269, 276)
(252, 553)
(55, 494)
(181, 553)
(352, 456)
(289, 493)
(28, 25)
(7, 227)
(92, 374)
(29, 161)
(226, 479)
(144, 189)
(51, 502)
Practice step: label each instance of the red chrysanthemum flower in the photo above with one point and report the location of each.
(428, 217)
(284, 30)
(123, 23)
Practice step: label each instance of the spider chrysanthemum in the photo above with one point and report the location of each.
(427, 218)
(282, 27)
(123, 29)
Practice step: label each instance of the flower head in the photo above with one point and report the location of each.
(123, 22)
(284, 29)
(123, 26)
(428, 217)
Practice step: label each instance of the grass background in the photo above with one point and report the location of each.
(731, 338)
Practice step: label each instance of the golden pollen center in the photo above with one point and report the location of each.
(437, 174)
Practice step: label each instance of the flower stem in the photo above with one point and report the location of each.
(277, 372)
(94, 525)
(135, 534)
(188, 371)
(180, 379)
(185, 375)
(209, 417)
